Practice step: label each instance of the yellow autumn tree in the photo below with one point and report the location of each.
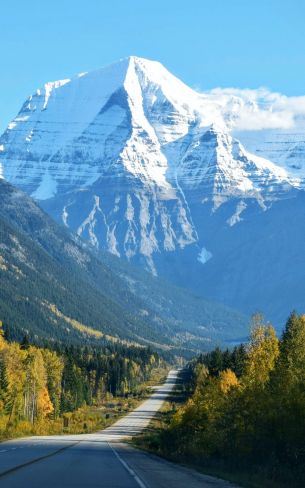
(54, 368)
(44, 404)
(263, 352)
(35, 386)
(12, 357)
(2, 340)
(227, 381)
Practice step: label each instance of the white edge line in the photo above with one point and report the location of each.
(128, 468)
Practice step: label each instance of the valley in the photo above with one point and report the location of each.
(151, 232)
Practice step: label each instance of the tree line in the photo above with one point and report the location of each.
(40, 384)
(246, 412)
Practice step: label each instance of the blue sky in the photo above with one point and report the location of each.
(207, 43)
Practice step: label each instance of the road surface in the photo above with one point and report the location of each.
(100, 460)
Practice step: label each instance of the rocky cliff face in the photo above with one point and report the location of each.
(141, 165)
(56, 286)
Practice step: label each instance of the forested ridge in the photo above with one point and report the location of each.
(246, 411)
(40, 385)
(56, 287)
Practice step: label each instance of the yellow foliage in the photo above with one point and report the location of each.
(75, 323)
(2, 340)
(262, 354)
(44, 404)
(227, 380)
(85, 329)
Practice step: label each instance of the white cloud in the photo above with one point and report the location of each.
(247, 109)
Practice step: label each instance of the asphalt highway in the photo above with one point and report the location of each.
(99, 460)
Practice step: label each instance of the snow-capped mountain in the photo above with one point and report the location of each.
(54, 287)
(143, 166)
(285, 147)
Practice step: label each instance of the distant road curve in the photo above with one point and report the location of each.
(100, 460)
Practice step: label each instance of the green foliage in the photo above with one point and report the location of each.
(38, 385)
(54, 287)
(246, 411)
(217, 360)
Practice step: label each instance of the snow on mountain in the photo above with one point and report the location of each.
(269, 124)
(222, 168)
(141, 165)
(286, 148)
(125, 117)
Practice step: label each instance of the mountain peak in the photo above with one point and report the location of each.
(119, 70)
(135, 161)
(137, 60)
(132, 118)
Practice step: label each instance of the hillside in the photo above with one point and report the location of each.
(53, 286)
(137, 163)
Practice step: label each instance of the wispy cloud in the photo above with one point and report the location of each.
(247, 109)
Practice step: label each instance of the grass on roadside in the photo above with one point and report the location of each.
(86, 419)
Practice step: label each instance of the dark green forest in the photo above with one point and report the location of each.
(56, 287)
(245, 415)
(40, 385)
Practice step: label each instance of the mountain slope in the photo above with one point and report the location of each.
(112, 152)
(139, 164)
(43, 276)
(53, 286)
